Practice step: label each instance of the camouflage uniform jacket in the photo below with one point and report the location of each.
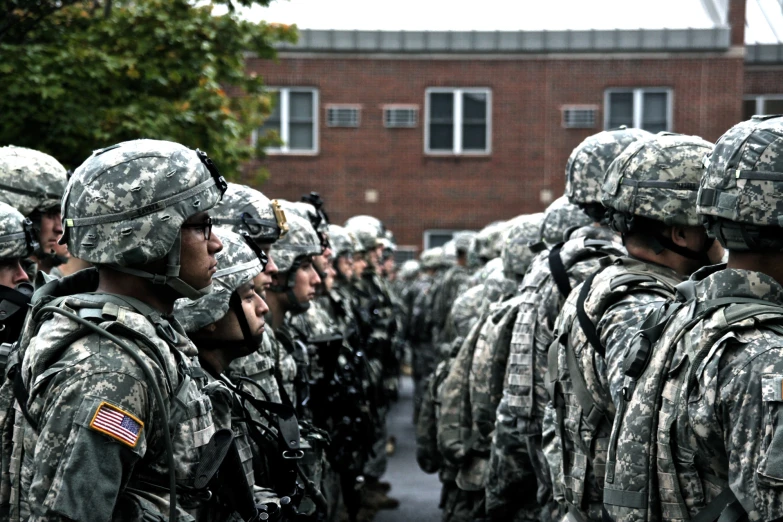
(262, 367)
(517, 455)
(615, 301)
(718, 426)
(71, 378)
(417, 323)
(454, 282)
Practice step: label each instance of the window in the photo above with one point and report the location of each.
(400, 116)
(436, 238)
(579, 116)
(295, 119)
(762, 104)
(343, 115)
(404, 253)
(648, 109)
(458, 121)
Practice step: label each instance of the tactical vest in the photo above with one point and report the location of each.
(642, 482)
(584, 407)
(189, 411)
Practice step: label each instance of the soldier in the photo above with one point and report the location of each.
(517, 460)
(452, 284)
(703, 404)
(17, 242)
(225, 325)
(33, 183)
(249, 213)
(650, 195)
(108, 397)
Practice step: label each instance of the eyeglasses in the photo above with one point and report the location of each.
(205, 227)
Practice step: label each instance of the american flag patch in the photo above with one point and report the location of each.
(117, 424)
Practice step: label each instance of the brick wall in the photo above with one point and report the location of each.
(764, 79)
(529, 147)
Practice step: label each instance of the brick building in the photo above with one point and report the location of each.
(437, 131)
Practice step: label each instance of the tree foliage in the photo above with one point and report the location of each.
(83, 78)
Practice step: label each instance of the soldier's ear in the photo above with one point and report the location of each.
(678, 236)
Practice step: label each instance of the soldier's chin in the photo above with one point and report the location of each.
(50, 257)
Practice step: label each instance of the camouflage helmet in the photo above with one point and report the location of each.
(363, 220)
(409, 269)
(657, 179)
(246, 211)
(125, 205)
(300, 241)
(365, 235)
(448, 254)
(741, 193)
(237, 264)
(524, 232)
(308, 211)
(463, 240)
(17, 238)
(30, 180)
(588, 162)
(341, 240)
(431, 258)
(489, 240)
(560, 218)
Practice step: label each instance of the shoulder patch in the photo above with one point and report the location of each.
(117, 424)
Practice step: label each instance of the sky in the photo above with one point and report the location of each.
(765, 17)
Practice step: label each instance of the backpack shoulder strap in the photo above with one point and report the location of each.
(584, 322)
(559, 273)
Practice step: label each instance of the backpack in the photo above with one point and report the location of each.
(584, 409)
(641, 481)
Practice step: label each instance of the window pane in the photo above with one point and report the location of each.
(301, 106)
(272, 123)
(441, 107)
(748, 109)
(654, 111)
(441, 136)
(773, 106)
(474, 136)
(474, 108)
(620, 109)
(300, 136)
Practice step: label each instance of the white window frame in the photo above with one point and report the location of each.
(284, 93)
(638, 104)
(427, 237)
(760, 99)
(457, 136)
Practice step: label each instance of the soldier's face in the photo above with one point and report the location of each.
(345, 266)
(305, 281)
(51, 230)
(329, 274)
(359, 264)
(12, 273)
(254, 308)
(264, 279)
(198, 253)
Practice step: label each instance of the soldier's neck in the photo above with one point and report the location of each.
(767, 263)
(159, 297)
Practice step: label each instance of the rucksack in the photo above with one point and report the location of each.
(584, 409)
(641, 481)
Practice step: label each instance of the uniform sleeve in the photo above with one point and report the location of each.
(750, 410)
(92, 432)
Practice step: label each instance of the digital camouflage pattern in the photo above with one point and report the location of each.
(517, 253)
(620, 298)
(489, 241)
(431, 258)
(480, 276)
(64, 457)
(300, 241)
(658, 179)
(463, 240)
(262, 366)
(341, 241)
(452, 283)
(514, 461)
(744, 182)
(560, 217)
(719, 366)
(497, 285)
(244, 210)
(30, 180)
(16, 235)
(365, 236)
(590, 159)
(364, 221)
(125, 204)
(237, 264)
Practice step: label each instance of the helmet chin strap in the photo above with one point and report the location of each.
(296, 307)
(171, 277)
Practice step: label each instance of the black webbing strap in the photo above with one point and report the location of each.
(558, 270)
(723, 508)
(587, 325)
